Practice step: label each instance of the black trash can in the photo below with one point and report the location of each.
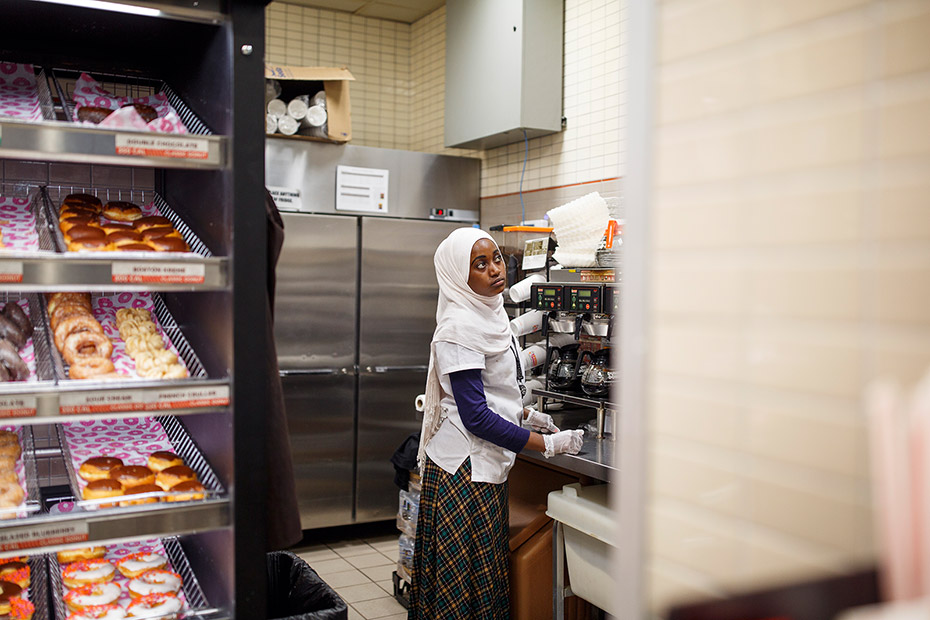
(296, 592)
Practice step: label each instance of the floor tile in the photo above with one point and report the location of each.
(318, 555)
(391, 556)
(377, 540)
(362, 592)
(379, 607)
(354, 615)
(346, 578)
(348, 548)
(328, 567)
(379, 573)
(402, 616)
(387, 586)
(385, 547)
(368, 560)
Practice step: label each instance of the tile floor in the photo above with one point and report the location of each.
(359, 570)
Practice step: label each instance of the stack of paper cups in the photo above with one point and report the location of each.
(532, 384)
(287, 125)
(533, 356)
(319, 99)
(297, 107)
(271, 123)
(527, 323)
(277, 108)
(521, 290)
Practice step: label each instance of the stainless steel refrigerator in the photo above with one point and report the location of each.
(355, 311)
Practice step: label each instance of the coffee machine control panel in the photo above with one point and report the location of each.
(611, 300)
(582, 298)
(547, 296)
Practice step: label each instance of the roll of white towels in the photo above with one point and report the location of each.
(419, 402)
(288, 125)
(533, 356)
(521, 290)
(277, 108)
(527, 323)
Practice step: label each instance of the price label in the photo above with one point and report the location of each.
(42, 535)
(157, 273)
(602, 275)
(11, 271)
(161, 145)
(189, 397)
(17, 406)
(100, 402)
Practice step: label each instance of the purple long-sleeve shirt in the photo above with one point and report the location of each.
(468, 391)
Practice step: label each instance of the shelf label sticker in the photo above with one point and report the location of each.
(188, 397)
(17, 406)
(598, 275)
(100, 402)
(162, 145)
(42, 535)
(157, 273)
(11, 271)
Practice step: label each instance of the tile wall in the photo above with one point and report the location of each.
(790, 268)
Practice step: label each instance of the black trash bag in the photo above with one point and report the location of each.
(404, 460)
(296, 592)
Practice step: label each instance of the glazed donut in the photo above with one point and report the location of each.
(163, 460)
(171, 476)
(11, 494)
(77, 574)
(83, 199)
(92, 114)
(135, 247)
(92, 594)
(186, 491)
(99, 612)
(156, 581)
(142, 489)
(135, 564)
(132, 327)
(133, 475)
(122, 237)
(7, 474)
(84, 219)
(12, 332)
(15, 313)
(132, 313)
(152, 221)
(100, 489)
(147, 112)
(17, 572)
(168, 244)
(55, 299)
(8, 590)
(9, 445)
(81, 345)
(91, 367)
(139, 342)
(66, 311)
(164, 606)
(122, 211)
(21, 609)
(160, 231)
(13, 364)
(90, 245)
(175, 371)
(76, 555)
(74, 325)
(83, 232)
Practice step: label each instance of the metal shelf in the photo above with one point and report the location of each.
(594, 403)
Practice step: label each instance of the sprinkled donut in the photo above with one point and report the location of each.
(154, 582)
(92, 594)
(21, 609)
(99, 612)
(135, 564)
(164, 606)
(8, 590)
(17, 572)
(77, 574)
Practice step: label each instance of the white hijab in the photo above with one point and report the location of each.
(463, 317)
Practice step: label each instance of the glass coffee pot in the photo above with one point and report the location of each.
(597, 376)
(561, 374)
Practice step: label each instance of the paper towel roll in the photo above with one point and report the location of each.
(521, 290)
(527, 323)
(419, 402)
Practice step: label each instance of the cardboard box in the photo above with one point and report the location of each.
(296, 81)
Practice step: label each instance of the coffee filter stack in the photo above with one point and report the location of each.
(579, 226)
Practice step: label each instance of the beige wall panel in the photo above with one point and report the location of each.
(805, 219)
(695, 292)
(811, 293)
(902, 295)
(701, 91)
(700, 225)
(902, 213)
(714, 488)
(904, 359)
(706, 351)
(689, 28)
(905, 44)
(769, 16)
(710, 156)
(714, 421)
(904, 128)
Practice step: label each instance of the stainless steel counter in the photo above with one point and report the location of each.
(596, 458)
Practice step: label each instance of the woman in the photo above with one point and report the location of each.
(470, 437)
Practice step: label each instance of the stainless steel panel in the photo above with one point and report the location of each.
(398, 291)
(320, 415)
(417, 182)
(315, 295)
(385, 418)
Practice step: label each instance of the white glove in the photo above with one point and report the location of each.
(540, 422)
(564, 442)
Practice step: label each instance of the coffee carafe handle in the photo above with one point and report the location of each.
(578, 362)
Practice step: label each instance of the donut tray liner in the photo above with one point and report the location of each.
(149, 200)
(28, 477)
(176, 439)
(46, 106)
(37, 593)
(169, 329)
(122, 85)
(24, 205)
(195, 603)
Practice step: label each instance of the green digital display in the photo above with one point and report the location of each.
(549, 291)
(584, 293)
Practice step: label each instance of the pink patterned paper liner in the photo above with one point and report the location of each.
(120, 550)
(89, 92)
(20, 469)
(20, 234)
(19, 97)
(105, 307)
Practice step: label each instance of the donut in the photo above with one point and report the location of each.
(81, 345)
(54, 299)
(4, 374)
(132, 313)
(92, 594)
(142, 489)
(72, 220)
(135, 247)
(83, 232)
(10, 449)
(152, 221)
(66, 310)
(17, 572)
(83, 572)
(135, 564)
(92, 114)
(122, 237)
(163, 459)
(98, 467)
(21, 609)
(12, 363)
(171, 476)
(122, 211)
(90, 245)
(99, 612)
(164, 606)
(12, 332)
(112, 227)
(147, 112)
(74, 325)
(139, 342)
(11, 494)
(78, 211)
(8, 590)
(156, 581)
(160, 231)
(168, 244)
(84, 553)
(7, 474)
(105, 487)
(83, 199)
(133, 475)
(15, 313)
(91, 367)
(185, 491)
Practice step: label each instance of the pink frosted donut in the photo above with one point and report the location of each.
(154, 582)
(163, 606)
(92, 594)
(99, 612)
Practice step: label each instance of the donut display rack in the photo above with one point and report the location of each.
(195, 602)
(29, 479)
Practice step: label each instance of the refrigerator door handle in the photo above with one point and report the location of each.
(381, 369)
(313, 371)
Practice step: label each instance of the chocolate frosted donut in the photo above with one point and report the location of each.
(83, 232)
(93, 114)
(122, 211)
(12, 332)
(152, 221)
(147, 112)
(15, 313)
(12, 362)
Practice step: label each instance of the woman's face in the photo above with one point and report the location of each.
(487, 275)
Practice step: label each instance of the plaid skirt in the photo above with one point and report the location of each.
(461, 562)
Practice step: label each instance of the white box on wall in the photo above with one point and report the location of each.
(503, 71)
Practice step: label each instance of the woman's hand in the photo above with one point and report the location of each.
(565, 442)
(540, 422)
